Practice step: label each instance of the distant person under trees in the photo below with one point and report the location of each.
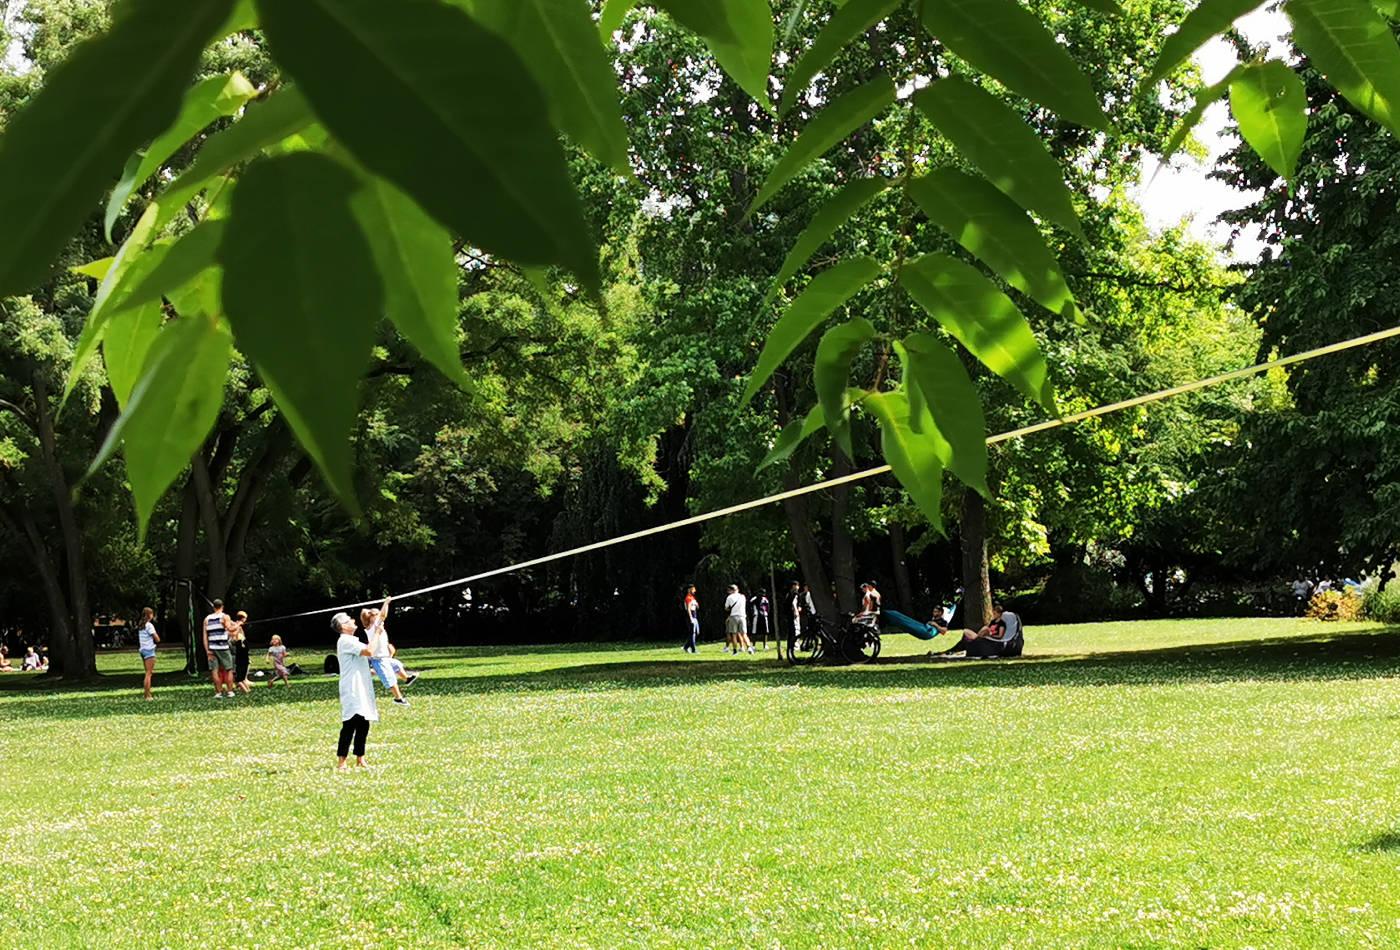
(792, 610)
(762, 619)
(691, 606)
(1002, 637)
(736, 634)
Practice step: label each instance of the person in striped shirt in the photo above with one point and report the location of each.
(216, 628)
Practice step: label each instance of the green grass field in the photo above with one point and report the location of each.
(1150, 784)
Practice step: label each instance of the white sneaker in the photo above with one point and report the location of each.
(400, 702)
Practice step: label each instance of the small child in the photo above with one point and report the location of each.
(277, 653)
(398, 669)
(373, 622)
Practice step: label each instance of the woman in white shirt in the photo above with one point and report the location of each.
(357, 708)
(146, 644)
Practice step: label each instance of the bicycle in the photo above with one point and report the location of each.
(852, 643)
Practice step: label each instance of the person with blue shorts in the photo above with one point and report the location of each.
(146, 644)
(373, 621)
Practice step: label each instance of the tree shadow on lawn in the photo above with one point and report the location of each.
(1385, 841)
(1323, 657)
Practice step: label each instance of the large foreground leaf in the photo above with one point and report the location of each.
(301, 291)
(443, 108)
(125, 344)
(1004, 149)
(415, 260)
(794, 434)
(1354, 47)
(939, 377)
(64, 149)
(831, 372)
(837, 211)
(184, 260)
(171, 410)
(614, 12)
(1271, 108)
(831, 125)
(913, 457)
(558, 41)
(210, 99)
(1205, 98)
(738, 32)
(827, 291)
(263, 125)
(1006, 41)
(848, 22)
(1210, 18)
(990, 225)
(983, 319)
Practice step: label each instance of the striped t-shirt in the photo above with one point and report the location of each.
(218, 636)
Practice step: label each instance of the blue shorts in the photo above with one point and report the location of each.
(148, 654)
(382, 669)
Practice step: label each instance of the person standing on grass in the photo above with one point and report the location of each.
(216, 644)
(373, 622)
(736, 634)
(238, 638)
(692, 618)
(357, 706)
(792, 610)
(277, 653)
(146, 640)
(762, 620)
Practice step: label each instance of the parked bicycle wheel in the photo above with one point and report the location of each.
(807, 647)
(860, 643)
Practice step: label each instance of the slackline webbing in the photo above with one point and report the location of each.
(869, 472)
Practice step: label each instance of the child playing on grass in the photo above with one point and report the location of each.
(277, 653)
(373, 621)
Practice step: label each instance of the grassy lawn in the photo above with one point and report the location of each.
(1175, 783)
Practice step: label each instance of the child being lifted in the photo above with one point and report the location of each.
(372, 619)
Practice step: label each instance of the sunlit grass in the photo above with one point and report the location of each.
(1176, 783)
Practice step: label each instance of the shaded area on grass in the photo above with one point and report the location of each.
(1319, 657)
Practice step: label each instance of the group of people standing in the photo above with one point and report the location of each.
(226, 645)
(745, 620)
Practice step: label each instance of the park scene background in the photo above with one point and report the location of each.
(313, 318)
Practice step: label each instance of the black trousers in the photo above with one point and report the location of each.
(357, 728)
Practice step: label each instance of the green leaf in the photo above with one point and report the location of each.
(244, 17)
(556, 39)
(827, 291)
(1205, 98)
(983, 319)
(945, 388)
(125, 345)
(301, 290)
(853, 196)
(738, 32)
(113, 93)
(130, 265)
(1008, 43)
(911, 456)
(831, 372)
(1210, 18)
(1354, 47)
(1390, 8)
(838, 120)
(845, 24)
(181, 263)
(1002, 147)
(990, 226)
(171, 411)
(1271, 107)
(404, 87)
(794, 434)
(95, 269)
(210, 99)
(263, 124)
(610, 20)
(415, 260)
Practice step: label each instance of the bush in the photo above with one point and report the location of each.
(1383, 605)
(1335, 605)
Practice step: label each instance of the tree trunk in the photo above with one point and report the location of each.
(977, 582)
(809, 557)
(196, 661)
(82, 655)
(903, 589)
(843, 559)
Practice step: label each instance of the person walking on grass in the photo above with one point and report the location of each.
(373, 622)
(357, 706)
(216, 644)
(238, 639)
(146, 640)
(277, 653)
(692, 618)
(736, 634)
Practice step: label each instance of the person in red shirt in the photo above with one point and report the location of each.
(692, 618)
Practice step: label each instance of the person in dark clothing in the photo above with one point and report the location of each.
(1002, 637)
(762, 622)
